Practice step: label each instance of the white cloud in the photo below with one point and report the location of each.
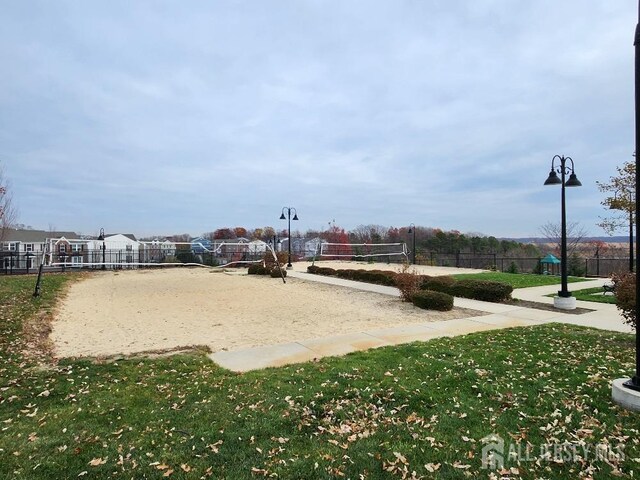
(443, 114)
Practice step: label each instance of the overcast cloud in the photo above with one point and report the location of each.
(167, 117)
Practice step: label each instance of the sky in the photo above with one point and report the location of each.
(163, 117)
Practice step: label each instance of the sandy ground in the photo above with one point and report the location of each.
(134, 311)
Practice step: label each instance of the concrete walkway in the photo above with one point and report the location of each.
(603, 316)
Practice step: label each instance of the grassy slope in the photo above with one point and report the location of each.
(371, 413)
(517, 280)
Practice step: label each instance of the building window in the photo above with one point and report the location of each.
(11, 246)
(76, 261)
(76, 247)
(129, 248)
(62, 248)
(28, 247)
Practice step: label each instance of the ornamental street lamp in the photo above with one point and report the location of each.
(412, 229)
(295, 217)
(564, 300)
(104, 249)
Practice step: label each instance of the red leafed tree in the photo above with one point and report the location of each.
(224, 233)
(336, 234)
(394, 235)
(240, 232)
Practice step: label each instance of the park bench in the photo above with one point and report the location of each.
(608, 287)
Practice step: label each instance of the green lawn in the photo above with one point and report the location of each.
(385, 413)
(517, 280)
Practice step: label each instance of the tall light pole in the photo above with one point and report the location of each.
(295, 217)
(412, 229)
(634, 383)
(104, 249)
(564, 300)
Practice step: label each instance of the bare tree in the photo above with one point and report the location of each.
(575, 233)
(8, 213)
(369, 234)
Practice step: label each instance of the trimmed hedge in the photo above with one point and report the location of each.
(329, 272)
(482, 290)
(379, 277)
(438, 284)
(430, 300)
(347, 274)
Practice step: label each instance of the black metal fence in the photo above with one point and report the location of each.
(588, 267)
(27, 262)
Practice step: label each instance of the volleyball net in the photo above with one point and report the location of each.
(95, 254)
(361, 251)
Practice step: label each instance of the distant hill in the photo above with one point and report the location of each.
(606, 239)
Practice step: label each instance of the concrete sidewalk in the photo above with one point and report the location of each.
(603, 316)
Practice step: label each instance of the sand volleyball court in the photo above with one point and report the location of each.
(126, 312)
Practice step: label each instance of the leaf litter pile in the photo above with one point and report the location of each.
(413, 411)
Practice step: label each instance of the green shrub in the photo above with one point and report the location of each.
(326, 271)
(513, 268)
(431, 300)
(347, 274)
(253, 269)
(275, 272)
(438, 284)
(313, 269)
(262, 270)
(257, 269)
(379, 277)
(484, 290)
(476, 289)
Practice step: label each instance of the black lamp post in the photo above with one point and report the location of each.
(295, 217)
(634, 382)
(412, 229)
(573, 181)
(104, 249)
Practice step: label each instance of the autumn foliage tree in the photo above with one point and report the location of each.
(621, 190)
(223, 233)
(336, 234)
(240, 232)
